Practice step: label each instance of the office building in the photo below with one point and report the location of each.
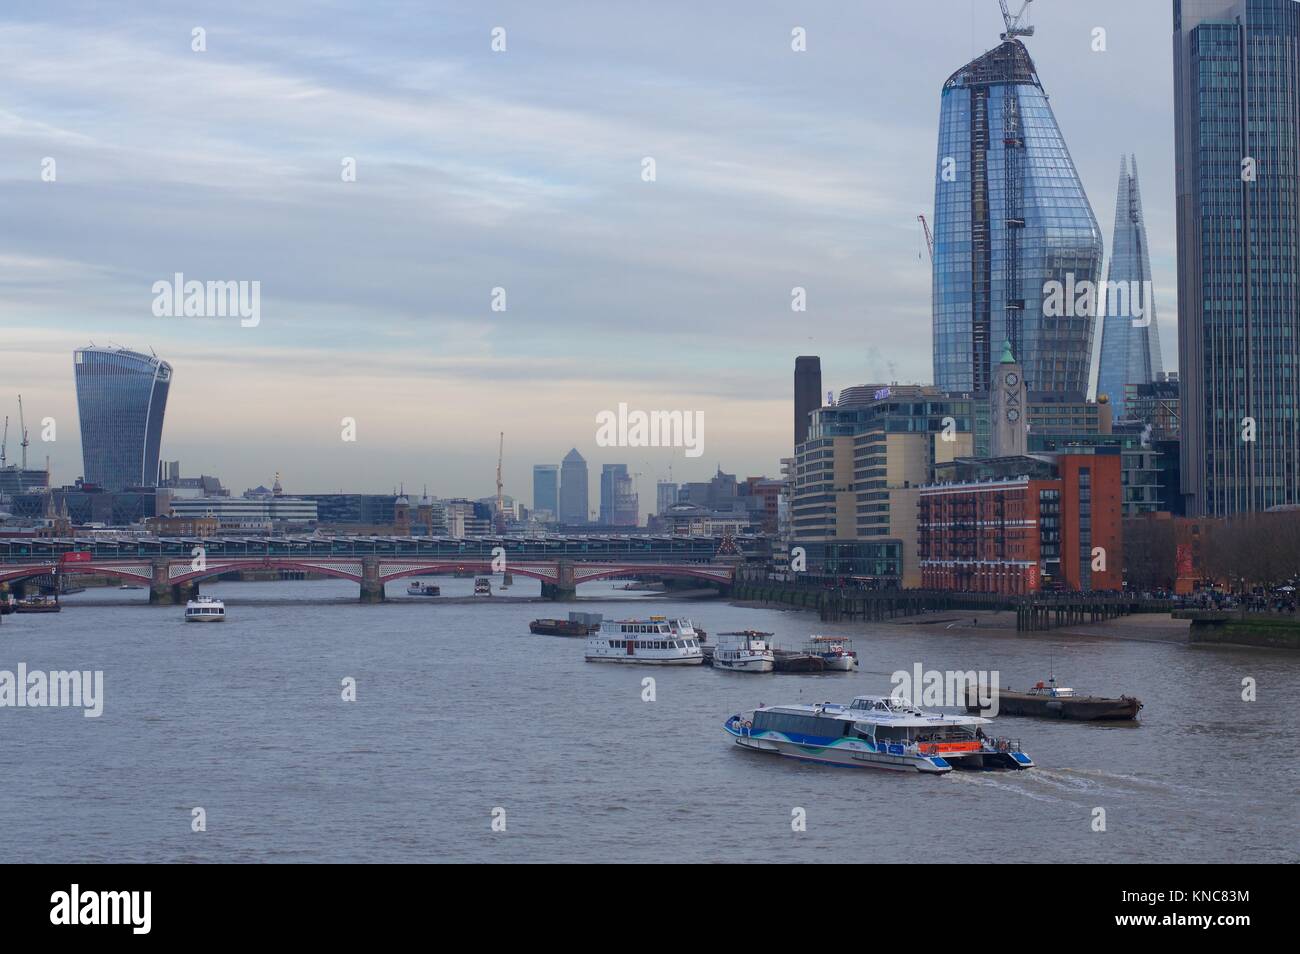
(1237, 194)
(121, 399)
(1010, 218)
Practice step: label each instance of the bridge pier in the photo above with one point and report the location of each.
(564, 587)
(372, 586)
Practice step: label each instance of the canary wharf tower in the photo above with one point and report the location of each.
(1010, 217)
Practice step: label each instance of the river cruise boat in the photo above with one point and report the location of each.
(205, 609)
(482, 586)
(876, 732)
(423, 589)
(836, 652)
(656, 641)
(746, 651)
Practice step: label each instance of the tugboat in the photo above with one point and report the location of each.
(423, 589)
(1060, 702)
(876, 732)
(836, 651)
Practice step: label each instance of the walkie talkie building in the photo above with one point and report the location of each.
(1010, 217)
(121, 397)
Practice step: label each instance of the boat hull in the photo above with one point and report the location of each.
(558, 627)
(758, 664)
(848, 754)
(205, 619)
(644, 661)
(1077, 708)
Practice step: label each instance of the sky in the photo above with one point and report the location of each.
(521, 170)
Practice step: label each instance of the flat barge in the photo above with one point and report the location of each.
(1051, 701)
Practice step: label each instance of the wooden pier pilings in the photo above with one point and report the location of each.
(1040, 611)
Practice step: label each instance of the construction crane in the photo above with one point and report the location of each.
(929, 239)
(22, 428)
(1017, 25)
(3, 442)
(501, 513)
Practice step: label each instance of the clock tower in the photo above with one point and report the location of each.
(1008, 407)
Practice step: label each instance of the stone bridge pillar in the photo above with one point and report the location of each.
(162, 592)
(372, 587)
(563, 588)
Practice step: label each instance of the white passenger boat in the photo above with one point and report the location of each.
(746, 651)
(482, 586)
(205, 609)
(416, 588)
(876, 732)
(656, 641)
(836, 651)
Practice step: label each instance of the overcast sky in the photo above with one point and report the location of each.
(519, 169)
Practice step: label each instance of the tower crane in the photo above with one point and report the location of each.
(501, 515)
(1017, 25)
(3, 442)
(929, 239)
(22, 428)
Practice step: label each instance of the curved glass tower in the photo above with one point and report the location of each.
(121, 397)
(1010, 217)
(1130, 343)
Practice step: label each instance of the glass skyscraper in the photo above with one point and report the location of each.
(121, 398)
(1010, 216)
(546, 489)
(1130, 342)
(573, 489)
(1236, 71)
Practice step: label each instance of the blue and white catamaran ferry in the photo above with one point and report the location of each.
(876, 732)
(656, 641)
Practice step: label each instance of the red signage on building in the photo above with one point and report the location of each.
(76, 556)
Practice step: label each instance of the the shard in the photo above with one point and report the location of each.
(1130, 342)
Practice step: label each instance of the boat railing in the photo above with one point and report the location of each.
(1002, 745)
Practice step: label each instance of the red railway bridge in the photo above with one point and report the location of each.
(175, 579)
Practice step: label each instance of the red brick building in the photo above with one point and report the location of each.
(1019, 524)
